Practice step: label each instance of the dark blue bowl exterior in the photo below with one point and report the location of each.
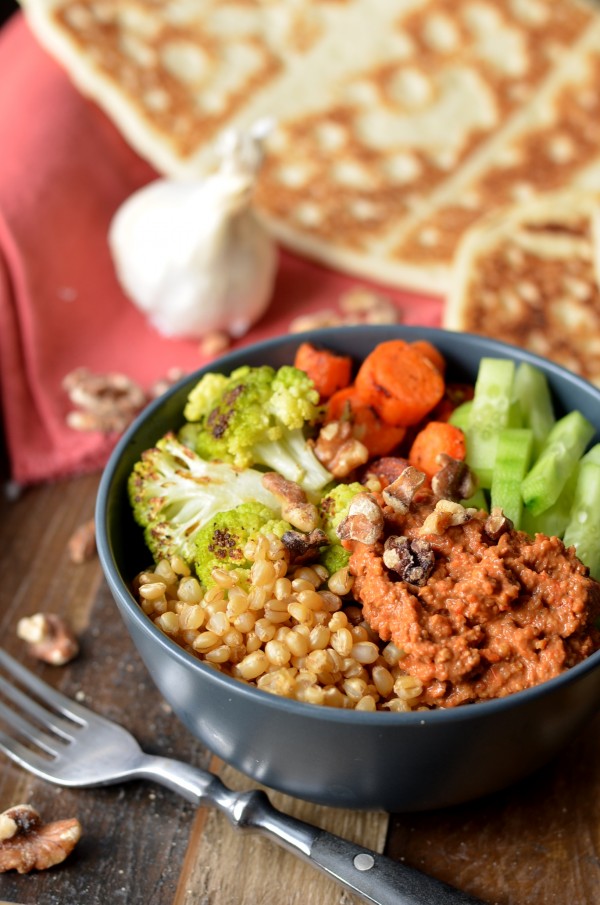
(394, 762)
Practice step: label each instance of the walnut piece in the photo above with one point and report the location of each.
(358, 305)
(446, 514)
(304, 547)
(27, 844)
(362, 305)
(339, 450)
(364, 521)
(497, 524)
(82, 543)
(213, 344)
(295, 507)
(104, 402)
(49, 638)
(399, 494)
(412, 560)
(454, 481)
(160, 386)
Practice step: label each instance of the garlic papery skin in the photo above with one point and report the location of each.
(193, 256)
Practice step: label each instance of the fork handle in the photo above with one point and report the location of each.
(372, 876)
(366, 873)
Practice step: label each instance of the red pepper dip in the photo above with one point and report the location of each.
(479, 609)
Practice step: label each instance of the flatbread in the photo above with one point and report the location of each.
(527, 274)
(394, 117)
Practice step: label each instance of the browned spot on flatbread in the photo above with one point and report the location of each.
(527, 275)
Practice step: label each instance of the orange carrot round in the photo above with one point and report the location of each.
(429, 351)
(400, 382)
(329, 372)
(435, 438)
(379, 438)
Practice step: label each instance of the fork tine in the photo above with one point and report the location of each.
(44, 692)
(23, 756)
(28, 731)
(48, 719)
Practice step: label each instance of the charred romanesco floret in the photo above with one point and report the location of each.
(174, 492)
(333, 508)
(221, 542)
(258, 416)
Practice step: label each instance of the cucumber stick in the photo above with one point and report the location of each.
(564, 446)
(583, 528)
(477, 501)
(553, 521)
(460, 415)
(513, 458)
(592, 455)
(489, 415)
(532, 395)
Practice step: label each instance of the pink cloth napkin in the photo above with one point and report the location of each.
(64, 171)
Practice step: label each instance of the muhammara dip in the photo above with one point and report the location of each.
(479, 609)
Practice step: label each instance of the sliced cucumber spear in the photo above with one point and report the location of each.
(583, 529)
(564, 446)
(532, 394)
(513, 458)
(489, 415)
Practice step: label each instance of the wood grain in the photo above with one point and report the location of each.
(538, 843)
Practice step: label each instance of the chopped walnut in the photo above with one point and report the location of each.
(214, 344)
(339, 450)
(497, 524)
(104, 402)
(412, 560)
(359, 305)
(49, 638)
(295, 507)
(446, 514)
(303, 547)
(385, 470)
(454, 481)
(160, 386)
(82, 543)
(324, 317)
(364, 521)
(399, 494)
(362, 305)
(27, 844)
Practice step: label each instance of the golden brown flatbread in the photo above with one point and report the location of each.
(399, 121)
(527, 275)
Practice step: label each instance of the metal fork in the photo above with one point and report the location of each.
(65, 743)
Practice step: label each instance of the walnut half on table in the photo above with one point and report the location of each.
(28, 844)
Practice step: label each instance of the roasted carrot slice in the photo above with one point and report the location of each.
(435, 438)
(328, 371)
(429, 351)
(379, 438)
(400, 382)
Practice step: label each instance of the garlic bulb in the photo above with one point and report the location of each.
(193, 256)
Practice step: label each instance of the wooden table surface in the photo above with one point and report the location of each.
(538, 843)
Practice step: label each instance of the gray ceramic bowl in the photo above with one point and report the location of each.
(381, 760)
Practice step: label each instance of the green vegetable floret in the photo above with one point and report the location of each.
(333, 508)
(257, 416)
(334, 557)
(221, 542)
(174, 493)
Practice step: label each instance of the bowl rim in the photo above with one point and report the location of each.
(393, 719)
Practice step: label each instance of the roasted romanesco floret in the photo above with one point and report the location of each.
(221, 542)
(258, 416)
(333, 508)
(174, 492)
